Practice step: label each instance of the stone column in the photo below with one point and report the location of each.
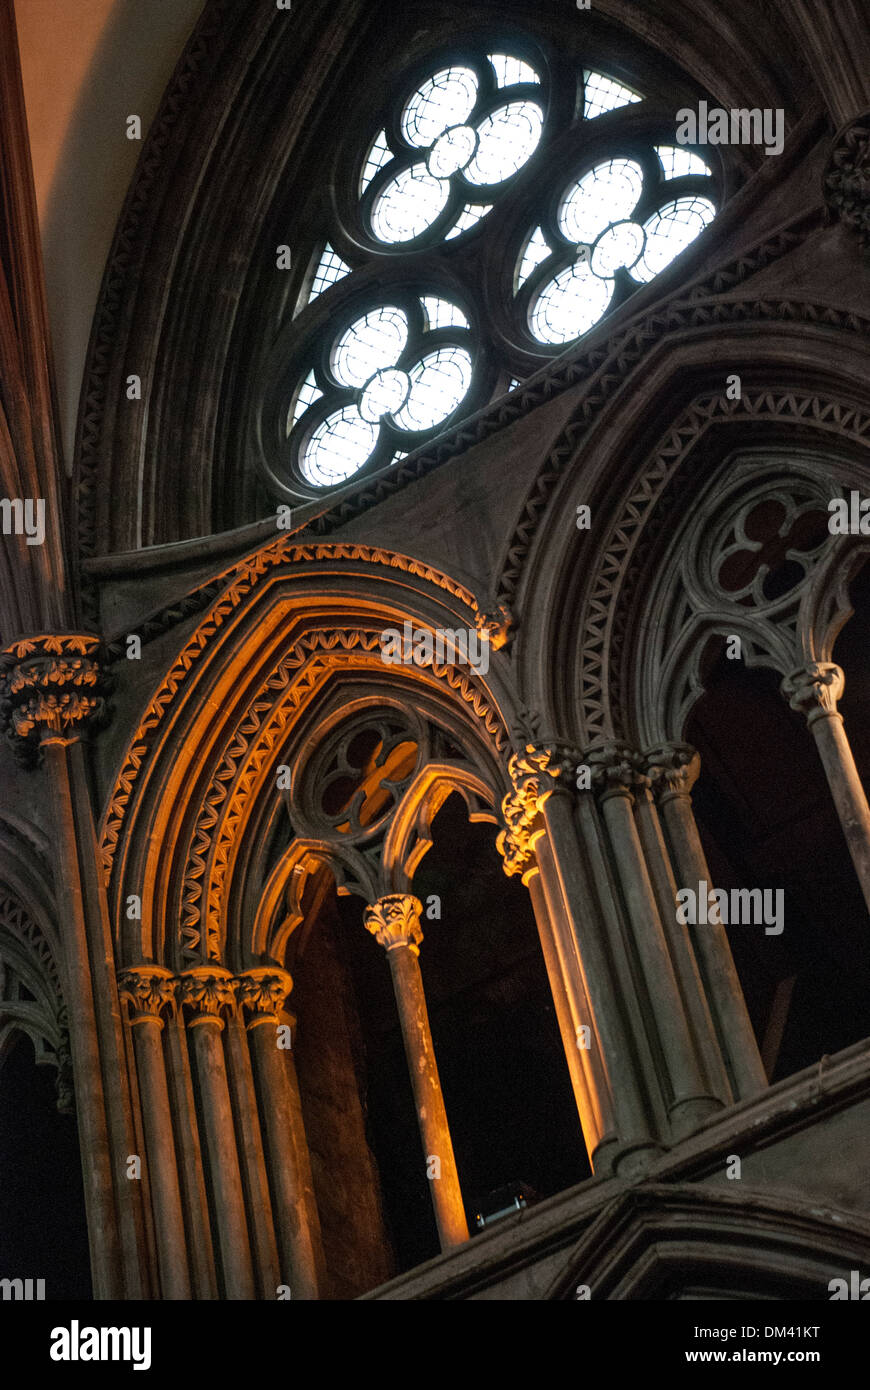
(673, 769)
(200, 1246)
(525, 850)
(544, 780)
(394, 921)
(263, 991)
(683, 958)
(615, 775)
(586, 1109)
(53, 692)
(252, 1158)
(147, 989)
(207, 991)
(815, 690)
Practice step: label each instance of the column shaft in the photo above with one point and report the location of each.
(77, 858)
(162, 1169)
(226, 1178)
(197, 1224)
(426, 1084)
(99, 1161)
(295, 1208)
(733, 1026)
(815, 689)
(691, 1101)
(264, 1250)
(847, 791)
(680, 947)
(586, 1109)
(631, 1122)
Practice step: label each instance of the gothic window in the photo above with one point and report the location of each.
(495, 207)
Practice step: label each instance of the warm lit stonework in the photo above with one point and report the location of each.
(338, 962)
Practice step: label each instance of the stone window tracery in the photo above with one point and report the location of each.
(522, 199)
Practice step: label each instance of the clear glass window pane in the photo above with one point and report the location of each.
(439, 383)
(445, 100)
(602, 94)
(569, 304)
(668, 232)
(410, 203)
(338, 448)
(372, 342)
(509, 71)
(608, 193)
(508, 138)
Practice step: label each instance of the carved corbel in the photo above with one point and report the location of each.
(847, 178)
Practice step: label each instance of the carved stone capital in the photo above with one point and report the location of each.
(394, 920)
(815, 689)
(147, 989)
(672, 769)
(542, 768)
(52, 688)
(536, 772)
(263, 991)
(207, 990)
(847, 177)
(615, 770)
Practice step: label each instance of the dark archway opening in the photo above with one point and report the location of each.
(767, 820)
(43, 1228)
(506, 1085)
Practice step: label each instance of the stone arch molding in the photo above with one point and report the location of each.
(688, 1242)
(686, 605)
(291, 645)
(619, 600)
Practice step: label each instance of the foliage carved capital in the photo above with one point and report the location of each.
(263, 991)
(394, 920)
(536, 772)
(815, 689)
(52, 687)
(616, 769)
(207, 991)
(672, 769)
(147, 989)
(496, 623)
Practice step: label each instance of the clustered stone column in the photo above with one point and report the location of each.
(147, 991)
(686, 1089)
(815, 690)
(267, 1227)
(394, 921)
(52, 692)
(673, 770)
(657, 1016)
(263, 991)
